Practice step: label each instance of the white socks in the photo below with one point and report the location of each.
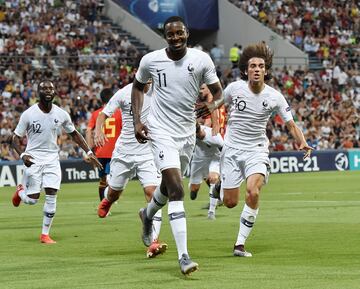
(157, 202)
(26, 199)
(157, 220)
(106, 192)
(177, 219)
(213, 201)
(247, 220)
(49, 212)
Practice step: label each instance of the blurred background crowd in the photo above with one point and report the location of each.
(72, 43)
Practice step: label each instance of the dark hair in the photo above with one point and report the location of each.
(105, 95)
(43, 81)
(172, 19)
(260, 50)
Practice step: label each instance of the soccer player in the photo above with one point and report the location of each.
(112, 128)
(245, 155)
(130, 159)
(205, 164)
(177, 73)
(41, 124)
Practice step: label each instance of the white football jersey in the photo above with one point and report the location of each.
(176, 88)
(209, 146)
(42, 131)
(127, 143)
(249, 114)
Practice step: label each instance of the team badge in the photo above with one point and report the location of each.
(161, 155)
(190, 67)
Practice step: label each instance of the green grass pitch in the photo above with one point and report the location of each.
(307, 235)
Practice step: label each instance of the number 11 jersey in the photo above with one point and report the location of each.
(176, 87)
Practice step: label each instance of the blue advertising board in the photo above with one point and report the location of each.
(281, 162)
(199, 14)
(289, 162)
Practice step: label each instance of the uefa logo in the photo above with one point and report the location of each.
(341, 162)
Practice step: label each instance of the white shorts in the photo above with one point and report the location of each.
(126, 167)
(201, 167)
(171, 152)
(37, 177)
(237, 165)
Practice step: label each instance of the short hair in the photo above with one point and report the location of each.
(172, 19)
(259, 50)
(43, 81)
(105, 95)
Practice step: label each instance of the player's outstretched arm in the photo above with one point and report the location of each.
(100, 138)
(78, 138)
(299, 138)
(137, 99)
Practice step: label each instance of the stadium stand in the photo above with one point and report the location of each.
(83, 51)
(325, 96)
(70, 42)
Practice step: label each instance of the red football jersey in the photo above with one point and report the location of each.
(112, 128)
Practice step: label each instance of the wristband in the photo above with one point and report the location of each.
(23, 154)
(90, 152)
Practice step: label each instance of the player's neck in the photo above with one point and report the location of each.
(175, 55)
(45, 107)
(256, 87)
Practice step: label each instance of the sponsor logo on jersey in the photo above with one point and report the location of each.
(265, 104)
(56, 121)
(288, 108)
(159, 70)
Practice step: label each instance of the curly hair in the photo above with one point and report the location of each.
(260, 50)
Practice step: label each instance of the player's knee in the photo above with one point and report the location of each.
(149, 192)
(253, 194)
(213, 178)
(231, 197)
(229, 202)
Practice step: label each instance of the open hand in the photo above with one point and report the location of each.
(92, 159)
(308, 150)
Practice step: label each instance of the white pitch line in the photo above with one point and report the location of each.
(302, 193)
(309, 201)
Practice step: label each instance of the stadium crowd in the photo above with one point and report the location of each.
(67, 42)
(326, 103)
(321, 28)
